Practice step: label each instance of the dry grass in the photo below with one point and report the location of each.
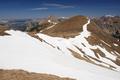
(68, 28)
(2, 30)
(24, 75)
(117, 61)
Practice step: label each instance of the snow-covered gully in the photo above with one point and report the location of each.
(85, 32)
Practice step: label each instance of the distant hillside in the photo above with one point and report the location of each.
(109, 24)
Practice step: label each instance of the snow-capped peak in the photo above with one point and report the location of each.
(109, 16)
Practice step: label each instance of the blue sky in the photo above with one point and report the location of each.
(43, 8)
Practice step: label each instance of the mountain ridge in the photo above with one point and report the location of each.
(88, 50)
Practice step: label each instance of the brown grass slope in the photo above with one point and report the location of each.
(2, 30)
(24, 75)
(68, 28)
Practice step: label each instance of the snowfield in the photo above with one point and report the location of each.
(21, 51)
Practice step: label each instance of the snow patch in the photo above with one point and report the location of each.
(49, 21)
(106, 43)
(115, 44)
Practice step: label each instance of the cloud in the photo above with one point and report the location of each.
(46, 5)
(57, 5)
(41, 8)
